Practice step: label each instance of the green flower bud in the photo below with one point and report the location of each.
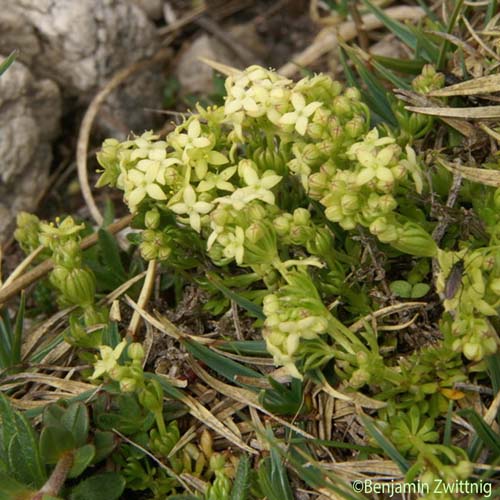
(322, 243)
(128, 385)
(495, 286)
(282, 224)
(151, 397)
(355, 127)
(135, 352)
(353, 94)
(76, 285)
(342, 106)
(318, 184)
(414, 240)
(152, 218)
(349, 203)
(301, 217)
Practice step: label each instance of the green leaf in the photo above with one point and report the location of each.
(12, 489)
(243, 302)
(76, 420)
(245, 347)
(493, 363)
(281, 400)
(486, 435)
(7, 62)
(413, 38)
(385, 444)
(406, 66)
(273, 478)
(401, 288)
(106, 486)
(8, 428)
(18, 332)
(82, 458)
(19, 447)
(52, 415)
(223, 366)
(376, 96)
(241, 483)
(111, 254)
(419, 290)
(105, 443)
(110, 334)
(54, 441)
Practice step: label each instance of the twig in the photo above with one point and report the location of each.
(328, 38)
(88, 120)
(46, 266)
(144, 296)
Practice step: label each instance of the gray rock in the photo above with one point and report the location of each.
(78, 44)
(30, 111)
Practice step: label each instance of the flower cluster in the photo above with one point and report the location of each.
(246, 179)
(293, 313)
(470, 284)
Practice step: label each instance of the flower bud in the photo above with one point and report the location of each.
(342, 106)
(414, 240)
(353, 94)
(76, 285)
(282, 224)
(495, 286)
(355, 127)
(128, 385)
(301, 217)
(349, 203)
(135, 352)
(152, 218)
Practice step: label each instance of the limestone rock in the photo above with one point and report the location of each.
(30, 110)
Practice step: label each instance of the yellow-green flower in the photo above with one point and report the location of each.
(138, 184)
(109, 359)
(299, 117)
(192, 208)
(219, 181)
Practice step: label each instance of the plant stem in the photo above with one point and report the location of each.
(56, 480)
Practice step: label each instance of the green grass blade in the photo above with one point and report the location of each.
(243, 302)
(7, 62)
(111, 254)
(241, 483)
(451, 24)
(223, 366)
(245, 347)
(414, 38)
(376, 96)
(406, 66)
(493, 363)
(6, 333)
(385, 444)
(485, 433)
(18, 332)
(448, 425)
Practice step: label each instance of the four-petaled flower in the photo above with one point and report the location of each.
(139, 183)
(234, 245)
(192, 208)
(259, 188)
(219, 181)
(300, 116)
(109, 359)
(191, 139)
